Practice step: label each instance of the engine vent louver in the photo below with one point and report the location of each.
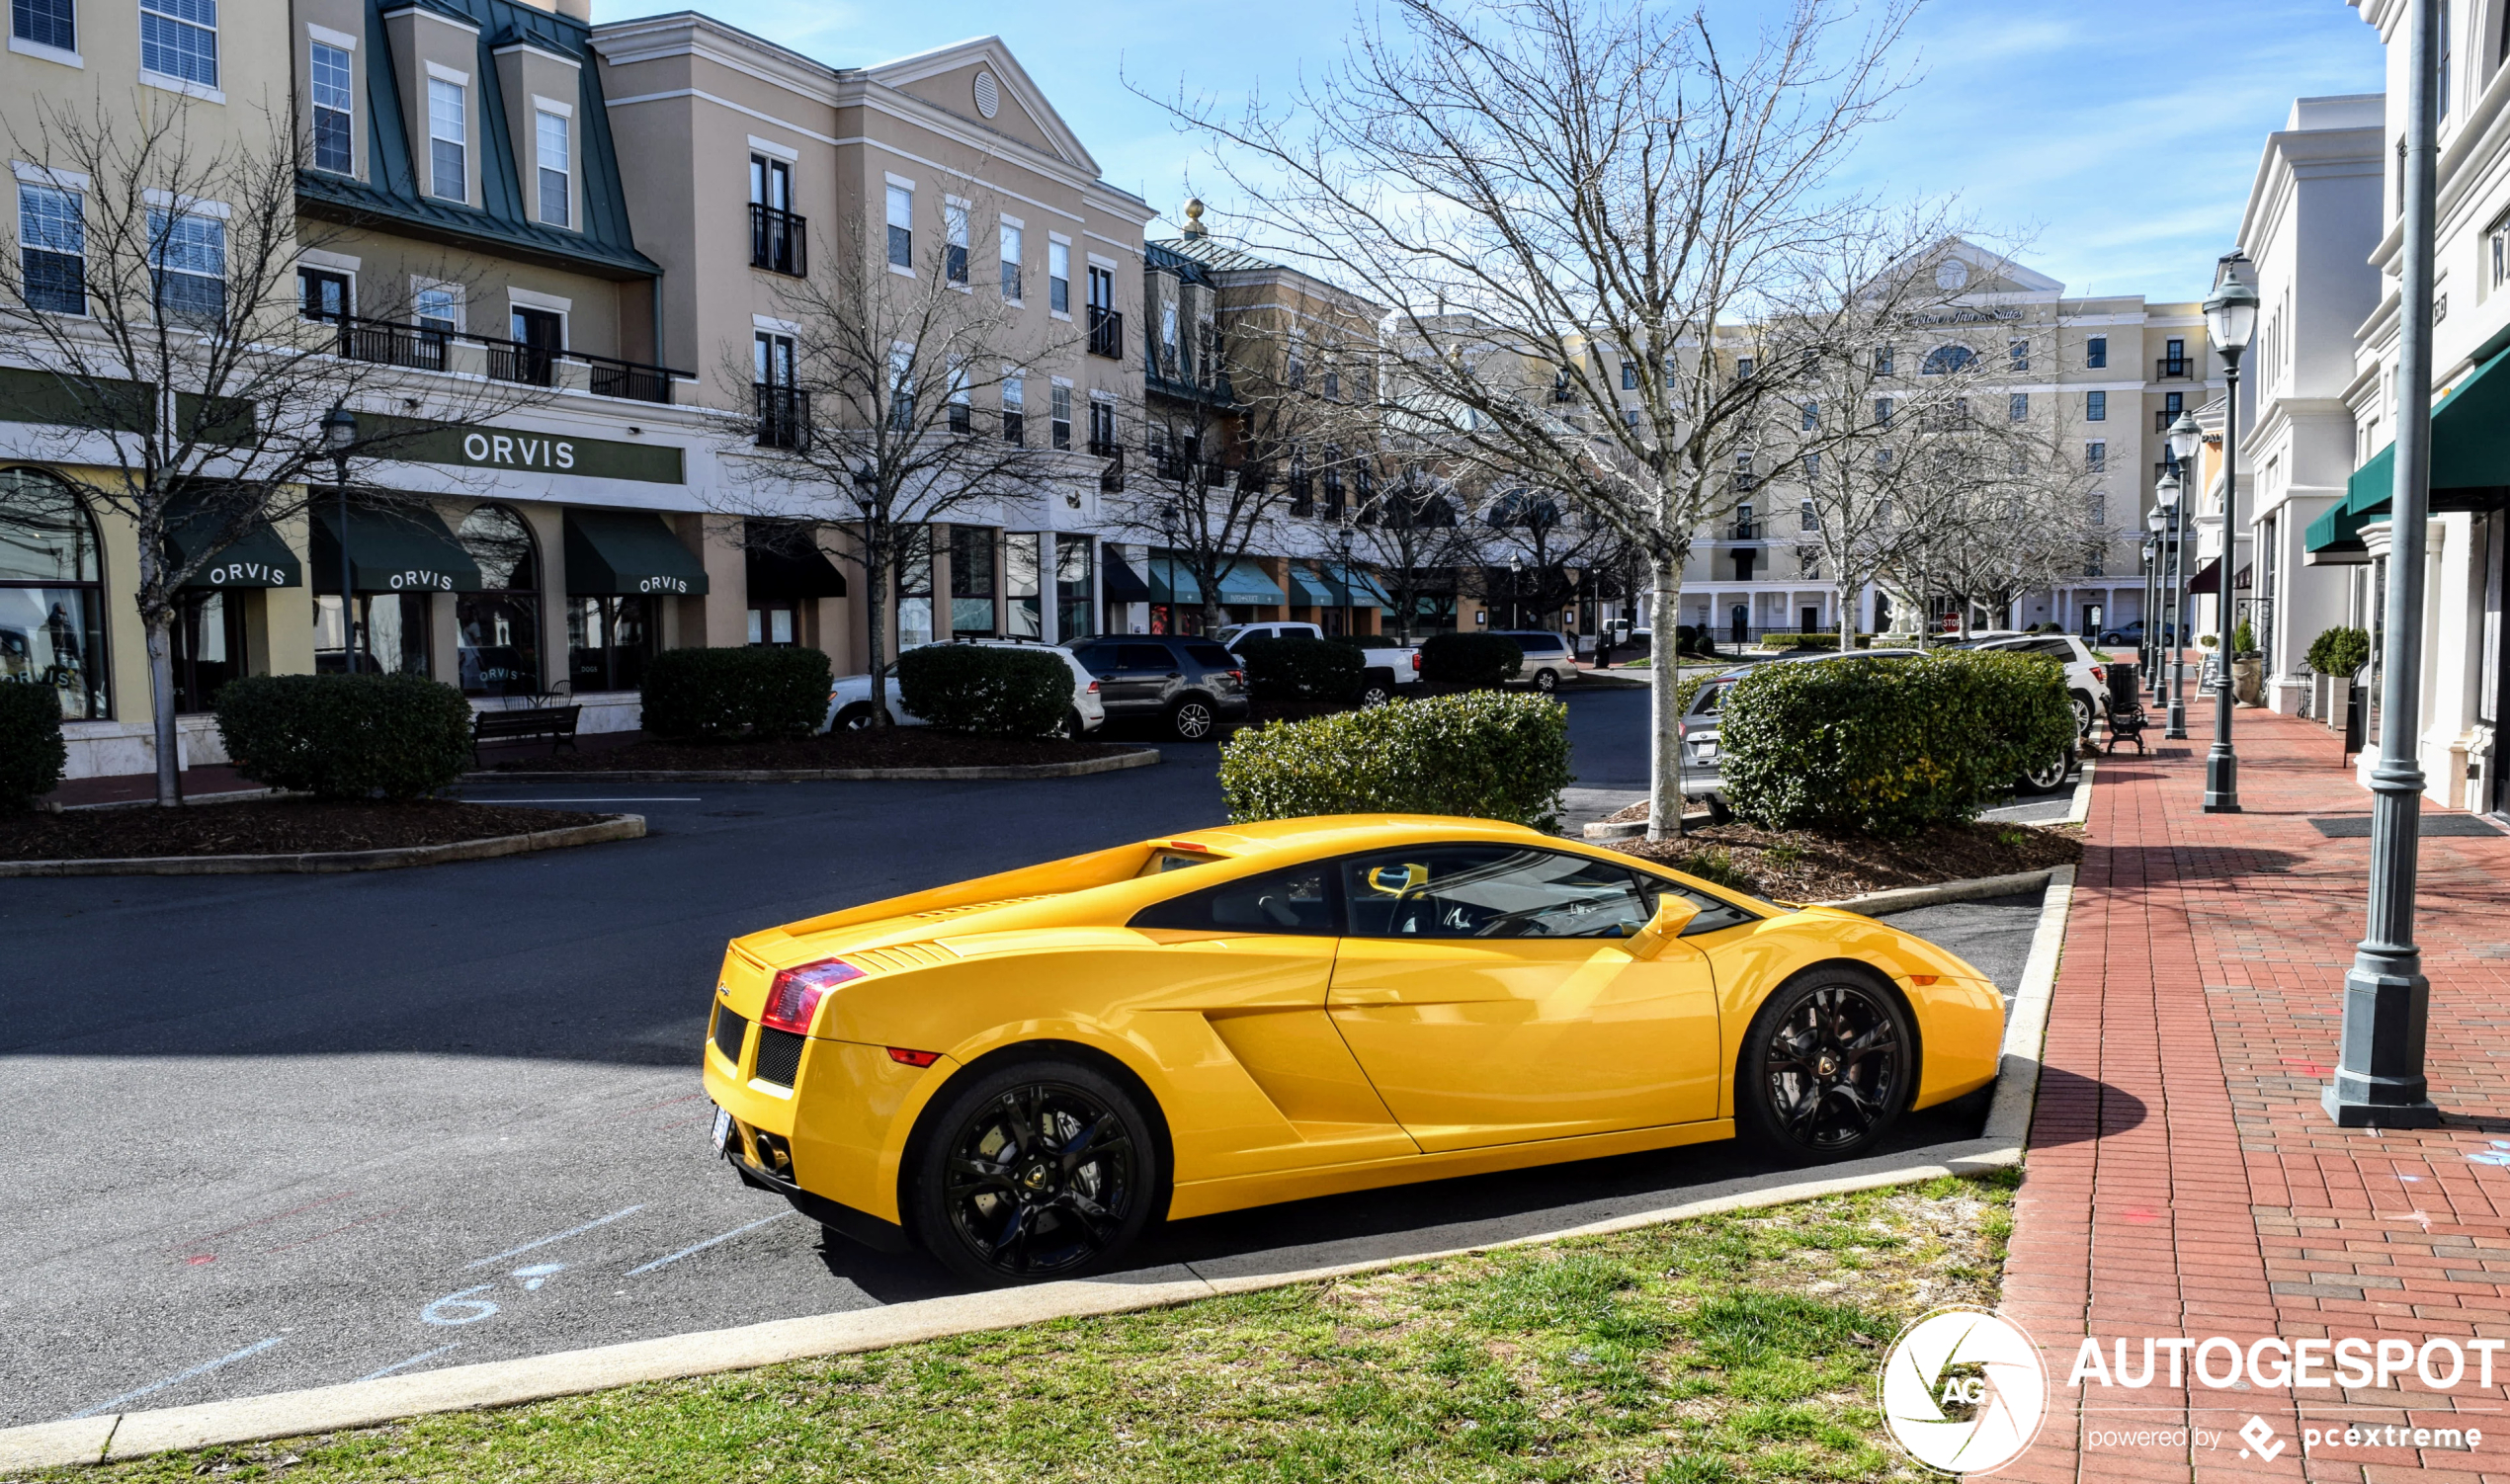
(728, 1029)
(778, 1056)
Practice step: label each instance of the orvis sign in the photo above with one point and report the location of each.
(514, 450)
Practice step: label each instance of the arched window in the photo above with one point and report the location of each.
(51, 594)
(1944, 358)
(501, 624)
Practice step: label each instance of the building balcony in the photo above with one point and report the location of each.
(784, 417)
(777, 241)
(2180, 369)
(379, 342)
(1106, 333)
(1110, 478)
(1745, 531)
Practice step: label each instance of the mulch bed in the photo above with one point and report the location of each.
(899, 747)
(265, 827)
(1802, 865)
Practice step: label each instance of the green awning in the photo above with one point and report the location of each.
(257, 559)
(1242, 583)
(1364, 588)
(615, 552)
(2335, 538)
(2470, 462)
(1308, 590)
(793, 575)
(402, 548)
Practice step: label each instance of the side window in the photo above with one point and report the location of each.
(1144, 657)
(1298, 899)
(1211, 656)
(1491, 891)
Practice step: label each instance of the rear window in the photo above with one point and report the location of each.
(1209, 656)
(1705, 702)
(1296, 900)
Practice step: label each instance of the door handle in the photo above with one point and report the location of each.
(1176, 675)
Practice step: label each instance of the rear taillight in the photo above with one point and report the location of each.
(904, 1057)
(2101, 673)
(794, 997)
(1238, 676)
(1416, 664)
(1093, 688)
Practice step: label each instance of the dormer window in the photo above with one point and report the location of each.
(554, 132)
(333, 110)
(448, 139)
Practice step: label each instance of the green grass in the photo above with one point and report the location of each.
(1710, 1352)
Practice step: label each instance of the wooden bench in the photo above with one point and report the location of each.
(524, 724)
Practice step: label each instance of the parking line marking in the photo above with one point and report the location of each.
(595, 799)
(203, 1368)
(572, 1231)
(708, 1242)
(424, 1355)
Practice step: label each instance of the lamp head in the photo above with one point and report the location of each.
(2166, 490)
(2155, 522)
(2185, 434)
(2231, 315)
(339, 430)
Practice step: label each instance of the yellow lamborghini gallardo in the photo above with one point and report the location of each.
(1019, 1073)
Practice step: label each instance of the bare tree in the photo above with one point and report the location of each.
(2011, 515)
(890, 402)
(1413, 528)
(153, 284)
(1546, 546)
(1550, 189)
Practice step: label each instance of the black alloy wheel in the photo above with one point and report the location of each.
(856, 717)
(1546, 682)
(1827, 1067)
(1041, 1169)
(1192, 718)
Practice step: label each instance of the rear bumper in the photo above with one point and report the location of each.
(861, 1227)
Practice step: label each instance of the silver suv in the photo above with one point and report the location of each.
(1549, 658)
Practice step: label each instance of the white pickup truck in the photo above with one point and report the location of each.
(1386, 668)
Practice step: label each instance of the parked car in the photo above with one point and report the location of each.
(1193, 684)
(2133, 634)
(2086, 674)
(850, 698)
(1389, 665)
(1549, 658)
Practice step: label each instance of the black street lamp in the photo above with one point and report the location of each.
(2155, 552)
(339, 436)
(2231, 316)
(2175, 714)
(2378, 1081)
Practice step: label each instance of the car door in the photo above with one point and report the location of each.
(1132, 675)
(1484, 989)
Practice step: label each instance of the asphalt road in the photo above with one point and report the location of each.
(265, 1132)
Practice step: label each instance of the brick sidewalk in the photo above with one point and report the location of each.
(2181, 1177)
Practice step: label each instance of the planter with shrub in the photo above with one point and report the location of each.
(1302, 670)
(723, 695)
(2339, 652)
(346, 736)
(32, 756)
(1890, 746)
(985, 691)
(1484, 755)
(1470, 661)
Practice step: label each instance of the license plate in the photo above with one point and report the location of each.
(723, 1129)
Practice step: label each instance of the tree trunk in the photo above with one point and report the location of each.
(875, 626)
(1664, 708)
(160, 637)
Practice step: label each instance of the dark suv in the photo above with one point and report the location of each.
(1195, 684)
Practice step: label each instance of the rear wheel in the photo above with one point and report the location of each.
(1376, 690)
(2047, 777)
(1719, 812)
(1827, 1066)
(1546, 681)
(2084, 710)
(1038, 1170)
(856, 717)
(1074, 726)
(1192, 718)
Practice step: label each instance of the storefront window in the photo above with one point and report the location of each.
(971, 580)
(392, 634)
(607, 641)
(501, 624)
(208, 648)
(774, 622)
(51, 594)
(1021, 579)
(915, 590)
(1075, 600)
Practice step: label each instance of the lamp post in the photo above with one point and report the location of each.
(2378, 1081)
(1516, 592)
(2229, 318)
(339, 436)
(2155, 552)
(2175, 714)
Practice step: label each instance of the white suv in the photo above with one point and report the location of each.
(2086, 676)
(850, 698)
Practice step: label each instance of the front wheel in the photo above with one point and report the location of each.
(2047, 777)
(1546, 680)
(1827, 1066)
(1039, 1170)
(1192, 719)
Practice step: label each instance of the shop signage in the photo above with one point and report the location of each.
(513, 450)
(662, 584)
(414, 579)
(247, 574)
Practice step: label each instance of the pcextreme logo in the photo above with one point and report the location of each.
(1963, 1391)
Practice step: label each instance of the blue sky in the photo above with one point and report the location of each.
(2113, 139)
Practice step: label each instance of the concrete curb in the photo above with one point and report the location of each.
(2026, 1024)
(504, 1383)
(1975, 889)
(1113, 763)
(607, 826)
(2081, 814)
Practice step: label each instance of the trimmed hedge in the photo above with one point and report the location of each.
(1485, 754)
(1302, 668)
(32, 756)
(986, 690)
(719, 695)
(346, 736)
(1829, 640)
(2340, 653)
(1889, 746)
(1470, 661)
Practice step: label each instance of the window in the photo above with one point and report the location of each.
(2095, 560)
(1811, 415)
(2173, 403)
(610, 639)
(1946, 359)
(2497, 249)
(322, 294)
(1812, 467)
(2175, 352)
(1060, 416)
(52, 248)
(1744, 366)
(333, 110)
(2019, 351)
(1073, 588)
(179, 39)
(188, 256)
(2099, 511)
(1809, 518)
(1011, 260)
(556, 168)
(955, 243)
(1296, 900)
(2095, 457)
(1333, 385)
(2096, 406)
(915, 589)
(1630, 418)
(437, 307)
(1059, 277)
(1504, 891)
(45, 23)
(962, 411)
(447, 134)
(498, 628)
(1882, 361)
(971, 580)
(2439, 97)
(1023, 578)
(51, 594)
(901, 388)
(1629, 375)
(2096, 351)
(2016, 407)
(1015, 411)
(902, 227)
(1102, 427)
(771, 182)
(1882, 412)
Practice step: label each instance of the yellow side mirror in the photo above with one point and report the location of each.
(1394, 880)
(1674, 911)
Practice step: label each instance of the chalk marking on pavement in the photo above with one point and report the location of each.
(424, 1355)
(572, 1231)
(203, 1368)
(708, 1242)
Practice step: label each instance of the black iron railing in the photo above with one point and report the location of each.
(382, 343)
(1743, 531)
(1110, 479)
(776, 240)
(2173, 368)
(784, 417)
(1106, 333)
